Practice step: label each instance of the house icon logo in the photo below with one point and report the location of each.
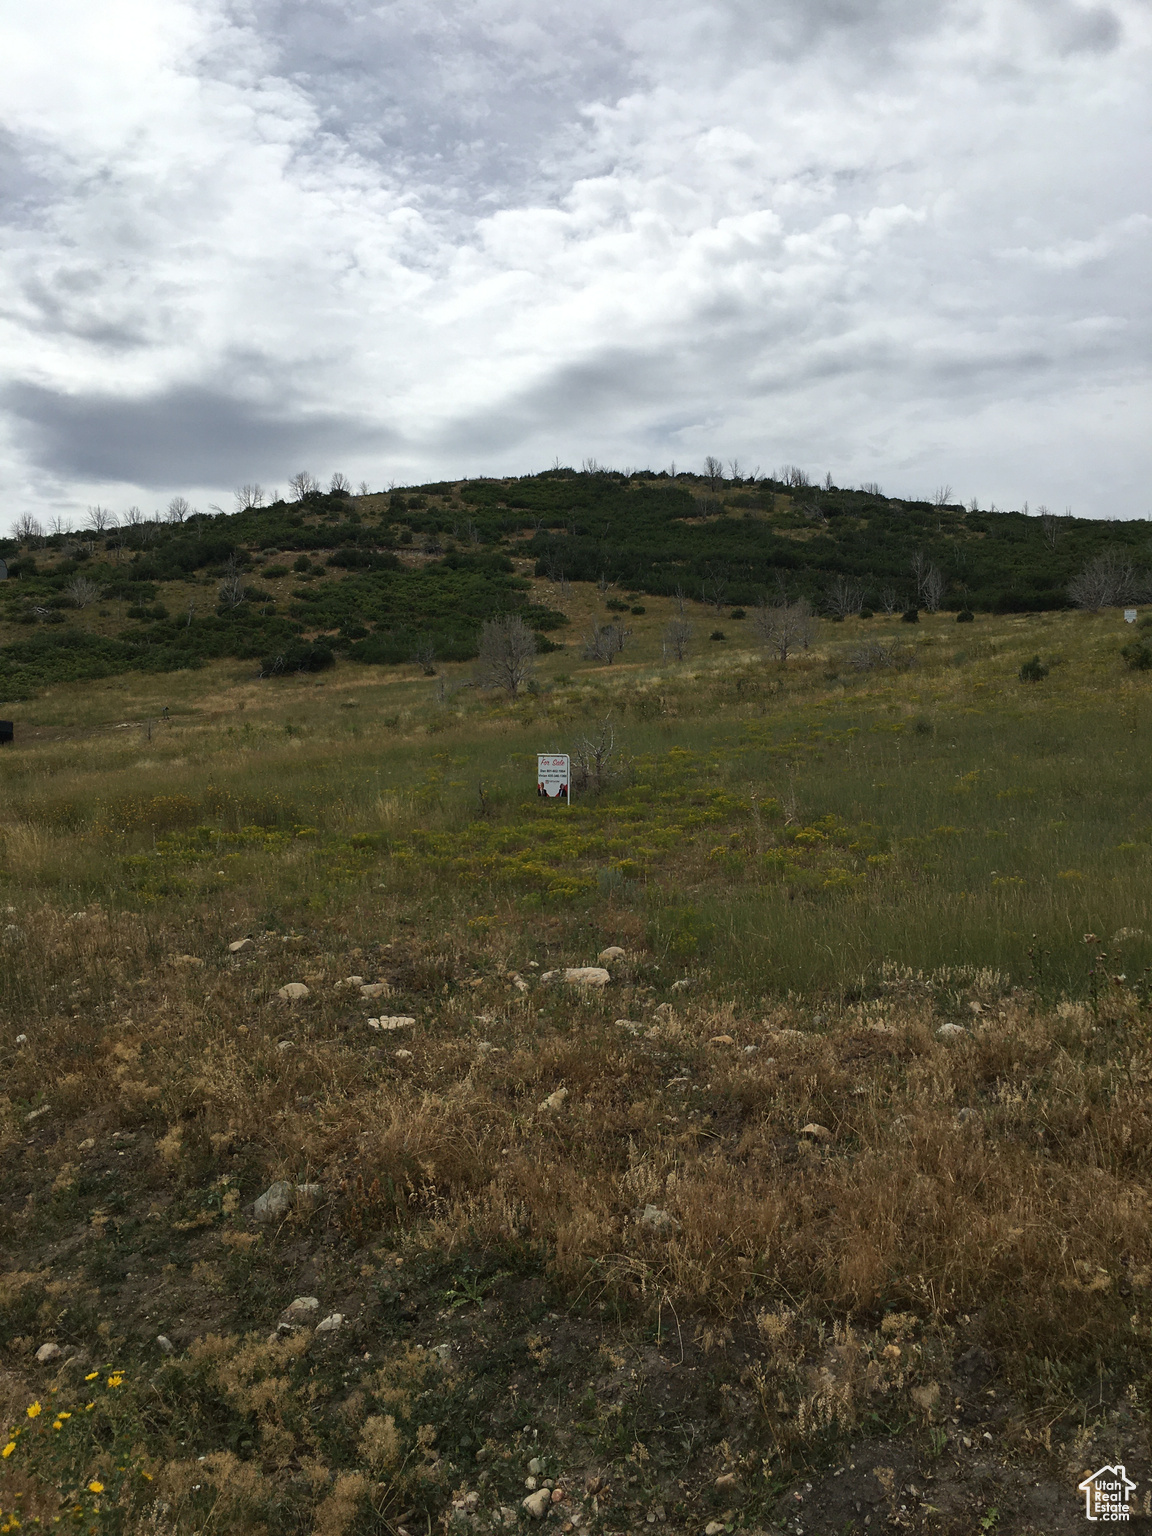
(1106, 1494)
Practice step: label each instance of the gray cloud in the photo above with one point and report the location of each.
(185, 434)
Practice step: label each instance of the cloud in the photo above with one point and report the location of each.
(408, 241)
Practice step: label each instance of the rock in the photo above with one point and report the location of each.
(817, 1132)
(586, 976)
(657, 1220)
(714, 1528)
(87, 1144)
(392, 1021)
(613, 952)
(726, 1480)
(300, 1310)
(535, 1466)
(721, 1040)
(275, 1202)
(310, 1191)
(21, 1039)
(750, 1050)
(238, 946)
(965, 1114)
(537, 1503)
(402, 1055)
(375, 989)
(294, 992)
(331, 1323)
(352, 981)
(682, 985)
(47, 1353)
(164, 1344)
(283, 1045)
(554, 1101)
(34, 1115)
(950, 1031)
(443, 1353)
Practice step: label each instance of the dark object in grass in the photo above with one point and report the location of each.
(965, 616)
(717, 634)
(639, 609)
(1033, 671)
(297, 658)
(910, 616)
(614, 605)
(7, 730)
(1138, 656)
(737, 613)
(865, 613)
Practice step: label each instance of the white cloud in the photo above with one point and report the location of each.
(907, 242)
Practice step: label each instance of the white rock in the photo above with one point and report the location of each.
(714, 1528)
(310, 1191)
(239, 945)
(275, 1202)
(587, 975)
(45, 1109)
(554, 1101)
(816, 1131)
(294, 991)
(537, 1503)
(392, 1021)
(682, 985)
(47, 1353)
(443, 1353)
(164, 1344)
(283, 1045)
(21, 1039)
(950, 1031)
(300, 1309)
(330, 1324)
(402, 1055)
(375, 989)
(535, 1466)
(613, 952)
(352, 981)
(657, 1220)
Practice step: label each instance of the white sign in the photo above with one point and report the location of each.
(1129, 615)
(1106, 1494)
(553, 775)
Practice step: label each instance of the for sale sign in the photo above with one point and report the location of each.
(553, 775)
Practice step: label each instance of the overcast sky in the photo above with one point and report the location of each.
(903, 241)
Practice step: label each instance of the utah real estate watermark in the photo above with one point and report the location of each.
(1106, 1494)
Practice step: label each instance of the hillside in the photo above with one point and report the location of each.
(389, 577)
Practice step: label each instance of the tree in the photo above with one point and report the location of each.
(932, 589)
(249, 496)
(713, 471)
(677, 634)
(1104, 582)
(82, 590)
(604, 642)
(232, 590)
(844, 597)
(100, 519)
(1049, 526)
(27, 529)
(178, 509)
(889, 599)
(595, 759)
(425, 657)
(134, 518)
(302, 485)
(792, 475)
(785, 626)
(942, 496)
(507, 655)
(339, 485)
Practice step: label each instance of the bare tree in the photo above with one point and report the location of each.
(178, 509)
(942, 496)
(82, 590)
(870, 488)
(339, 485)
(604, 642)
(27, 529)
(713, 471)
(232, 590)
(100, 519)
(795, 477)
(785, 626)
(843, 597)
(134, 518)
(507, 655)
(595, 758)
(890, 598)
(1049, 526)
(677, 636)
(59, 526)
(425, 657)
(714, 589)
(248, 497)
(829, 483)
(932, 589)
(1105, 582)
(302, 485)
(734, 471)
(363, 489)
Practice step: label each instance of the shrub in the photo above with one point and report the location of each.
(1033, 671)
(965, 616)
(1138, 656)
(640, 608)
(717, 634)
(910, 616)
(737, 613)
(300, 657)
(865, 613)
(614, 605)
(301, 563)
(876, 656)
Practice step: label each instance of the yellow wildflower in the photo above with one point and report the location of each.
(34, 1410)
(95, 1487)
(8, 1449)
(115, 1381)
(92, 1375)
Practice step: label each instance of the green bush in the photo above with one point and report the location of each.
(910, 616)
(1033, 671)
(300, 657)
(1138, 656)
(965, 616)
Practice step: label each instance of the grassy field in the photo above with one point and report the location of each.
(738, 1239)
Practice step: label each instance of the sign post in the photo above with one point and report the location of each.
(554, 776)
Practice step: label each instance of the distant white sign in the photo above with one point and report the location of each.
(553, 775)
(1129, 615)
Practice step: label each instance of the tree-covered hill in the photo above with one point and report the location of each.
(414, 573)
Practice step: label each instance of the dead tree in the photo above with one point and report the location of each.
(507, 654)
(785, 627)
